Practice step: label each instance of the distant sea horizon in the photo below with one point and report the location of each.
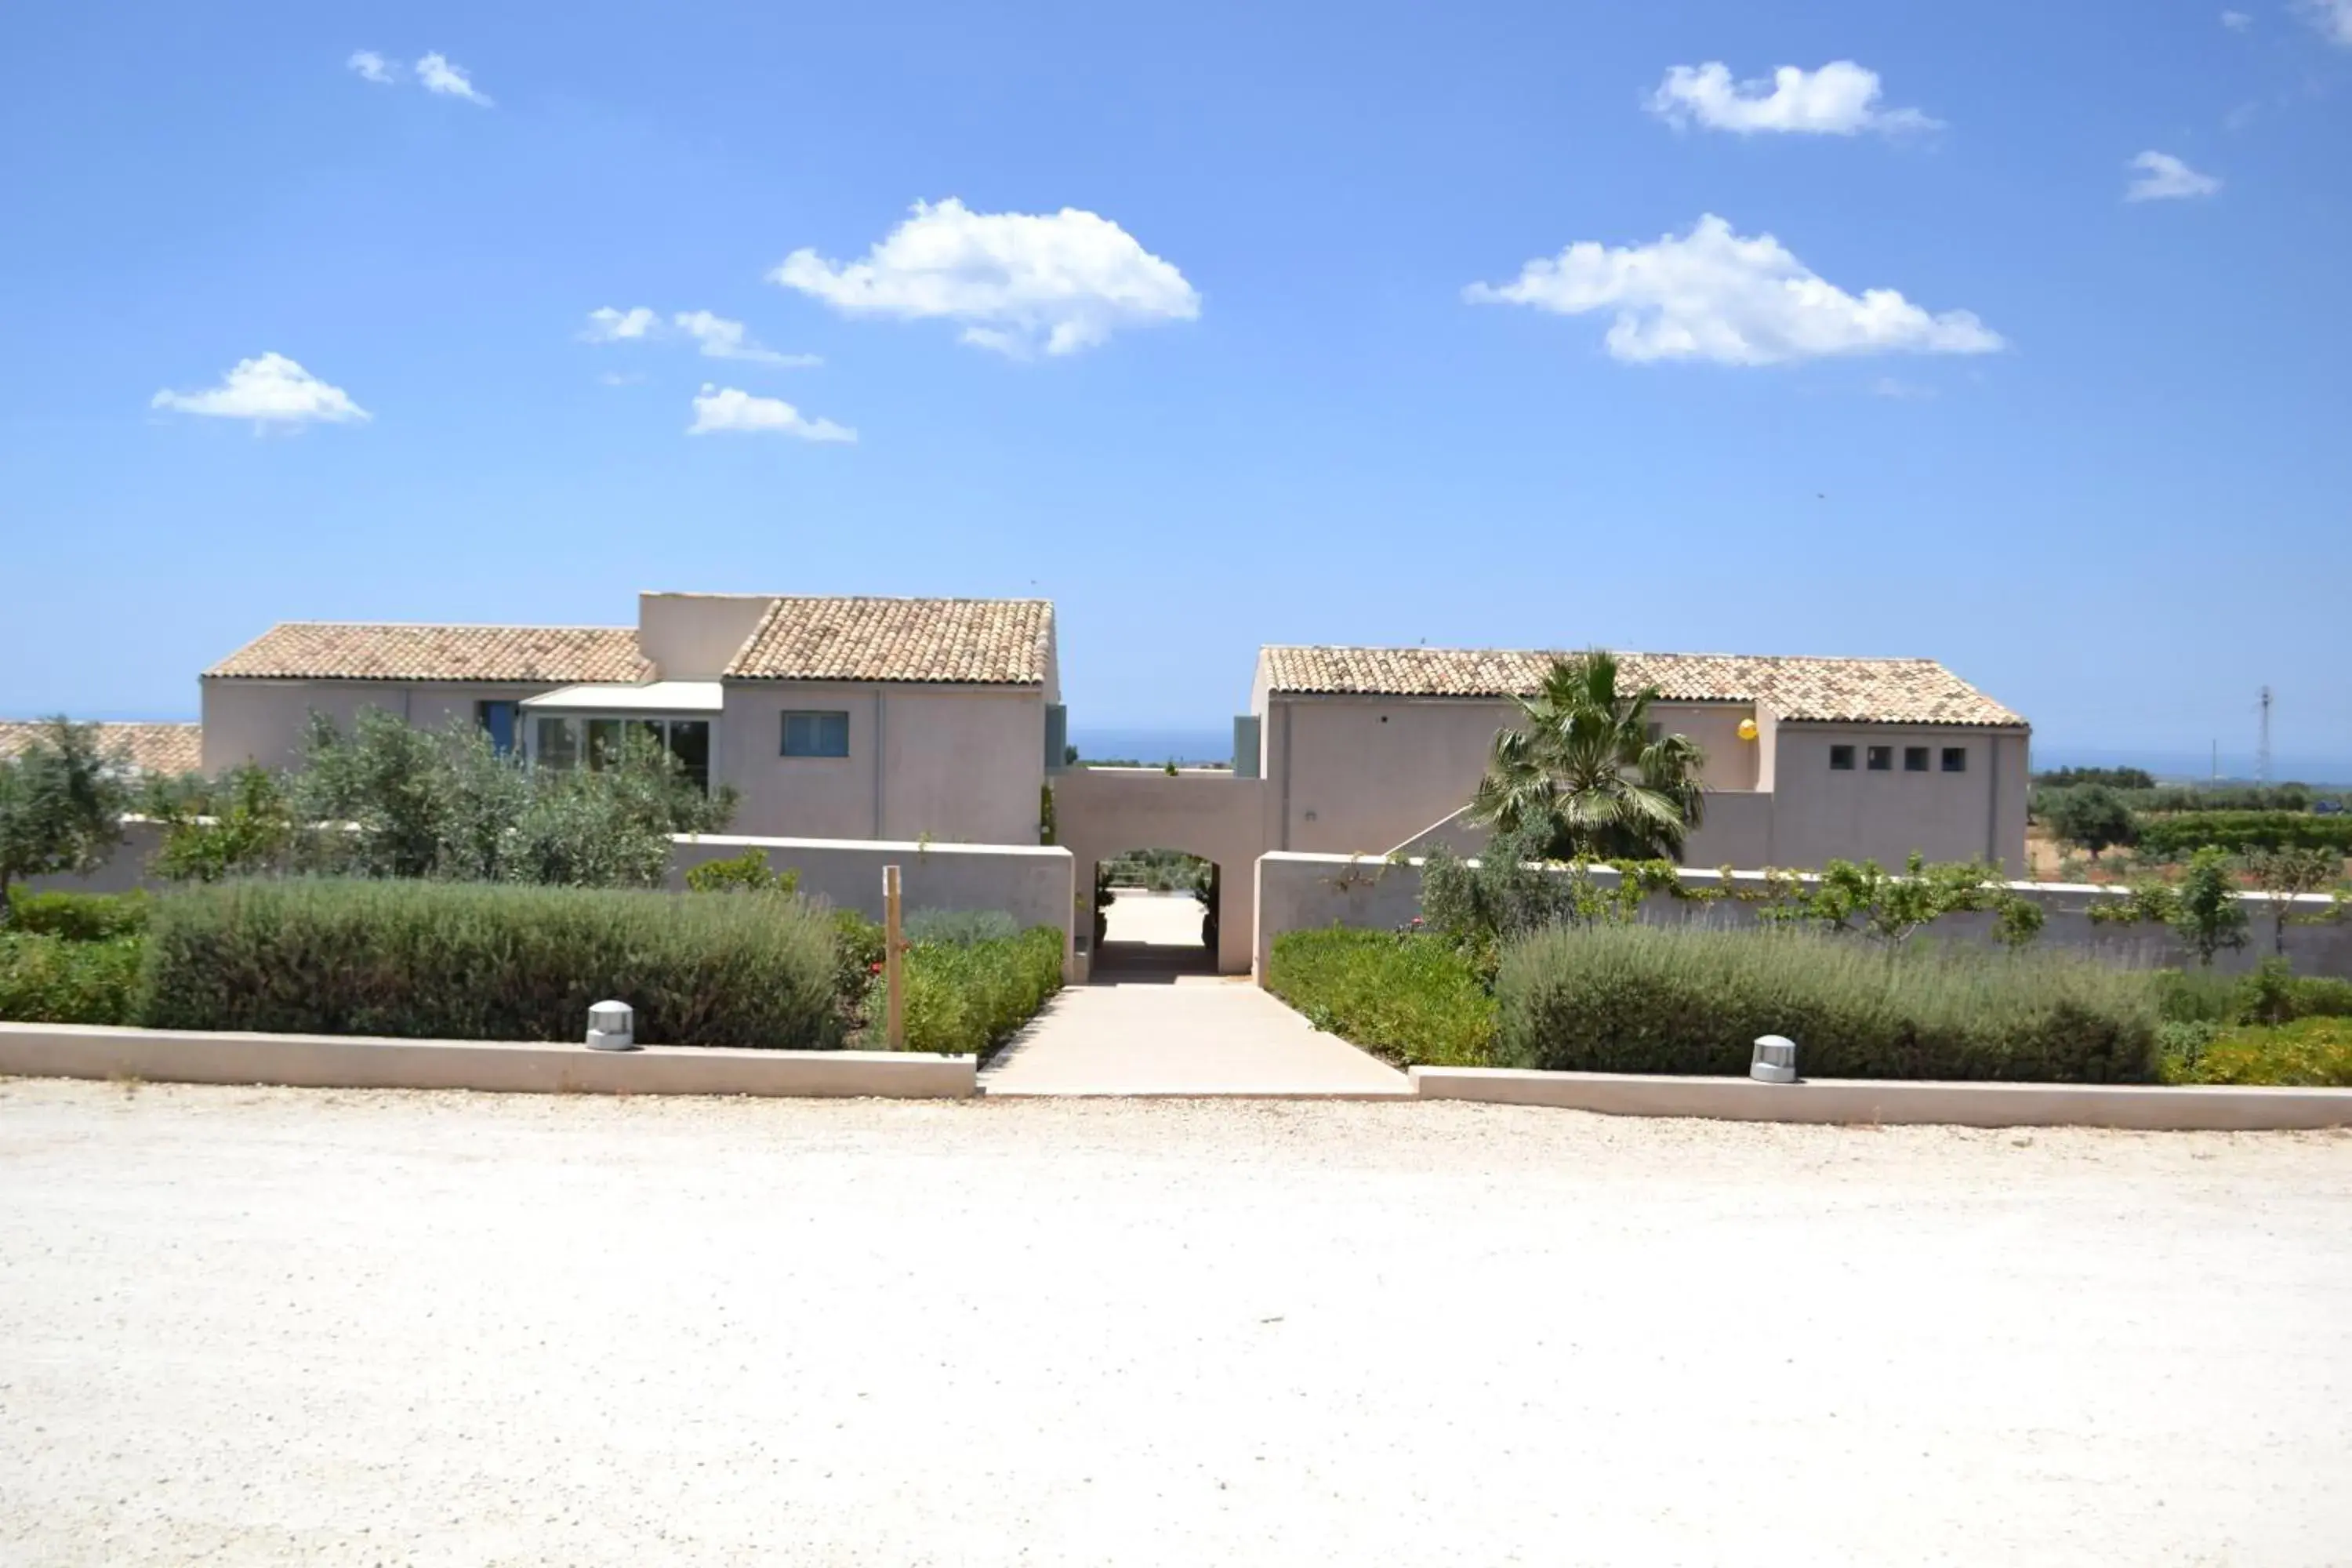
(1151, 745)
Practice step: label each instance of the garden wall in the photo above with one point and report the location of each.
(1300, 891)
(1035, 884)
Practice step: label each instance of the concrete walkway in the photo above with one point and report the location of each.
(1154, 1023)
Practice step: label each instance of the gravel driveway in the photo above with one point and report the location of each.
(276, 1326)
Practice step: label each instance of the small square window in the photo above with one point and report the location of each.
(816, 735)
(1956, 758)
(1914, 759)
(1881, 759)
(1657, 731)
(1840, 759)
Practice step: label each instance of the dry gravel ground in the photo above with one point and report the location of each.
(282, 1326)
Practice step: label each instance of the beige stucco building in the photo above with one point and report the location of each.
(832, 718)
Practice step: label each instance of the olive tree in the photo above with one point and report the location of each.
(61, 805)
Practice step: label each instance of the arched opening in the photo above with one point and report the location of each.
(1156, 916)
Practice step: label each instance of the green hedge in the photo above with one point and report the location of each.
(488, 961)
(78, 917)
(2314, 1052)
(967, 998)
(1414, 999)
(51, 979)
(2171, 837)
(1644, 999)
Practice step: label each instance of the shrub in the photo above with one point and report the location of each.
(242, 828)
(52, 980)
(2314, 1052)
(488, 962)
(2272, 994)
(2209, 916)
(1647, 999)
(745, 873)
(960, 928)
(2170, 838)
(1411, 999)
(967, 998)
(78, 917)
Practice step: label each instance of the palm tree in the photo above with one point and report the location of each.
(1581, 777)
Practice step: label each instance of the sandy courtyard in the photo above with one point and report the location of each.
(267, 1326)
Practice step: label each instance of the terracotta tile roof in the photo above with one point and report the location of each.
(1849, 690)
(324, 650)
(173, 749)
(966, 642)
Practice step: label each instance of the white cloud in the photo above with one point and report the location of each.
(1839, 100)
(723, 338)
(1905, 390)
(272, 389)
(1063, 282)
(439, 74)
(2163, 177)
(619, 378)
(2236, 21)
(606, 325)
(372, 66)
(1713, 295)
(2332, 17)
(729, 409)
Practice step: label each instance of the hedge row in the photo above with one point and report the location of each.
(1412, 999)
(47, 979)
(78, 917)
(2314, 1053)
(968, 998)
(2171, 837)
(488, 961)
(1645, 999)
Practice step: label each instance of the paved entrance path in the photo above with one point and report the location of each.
(1155, 1023)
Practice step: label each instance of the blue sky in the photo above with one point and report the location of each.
(2095, 456)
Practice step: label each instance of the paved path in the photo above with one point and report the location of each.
(1153, 1023)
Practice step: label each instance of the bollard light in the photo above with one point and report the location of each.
(611, 1026)
(1776, 1060)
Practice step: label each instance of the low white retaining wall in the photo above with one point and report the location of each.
(1865, 1102)
(1298, 891)
(336, 1061)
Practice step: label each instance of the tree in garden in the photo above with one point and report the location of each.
(2208, 915)
(243, 827)
(61, 805)
(1581, 777)
(2283, 875)
(2091, 816)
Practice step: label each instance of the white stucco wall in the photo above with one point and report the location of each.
(1821, 815)
(960, 765)
(694, 636)
(1299, 892)
(265, 720)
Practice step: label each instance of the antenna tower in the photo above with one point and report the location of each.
(2262, 755)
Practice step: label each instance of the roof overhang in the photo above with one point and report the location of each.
(654, 697)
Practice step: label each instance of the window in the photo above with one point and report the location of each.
(557, 742)
(1657, 731)
(816, 735)
(566, 742)
(1956, 758)
(1840, 759)
(1914, 759)
(1881, 759)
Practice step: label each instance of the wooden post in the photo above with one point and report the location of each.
(894, 962)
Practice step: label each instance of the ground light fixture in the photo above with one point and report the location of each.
(611, 1026)
(1776, 1059)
